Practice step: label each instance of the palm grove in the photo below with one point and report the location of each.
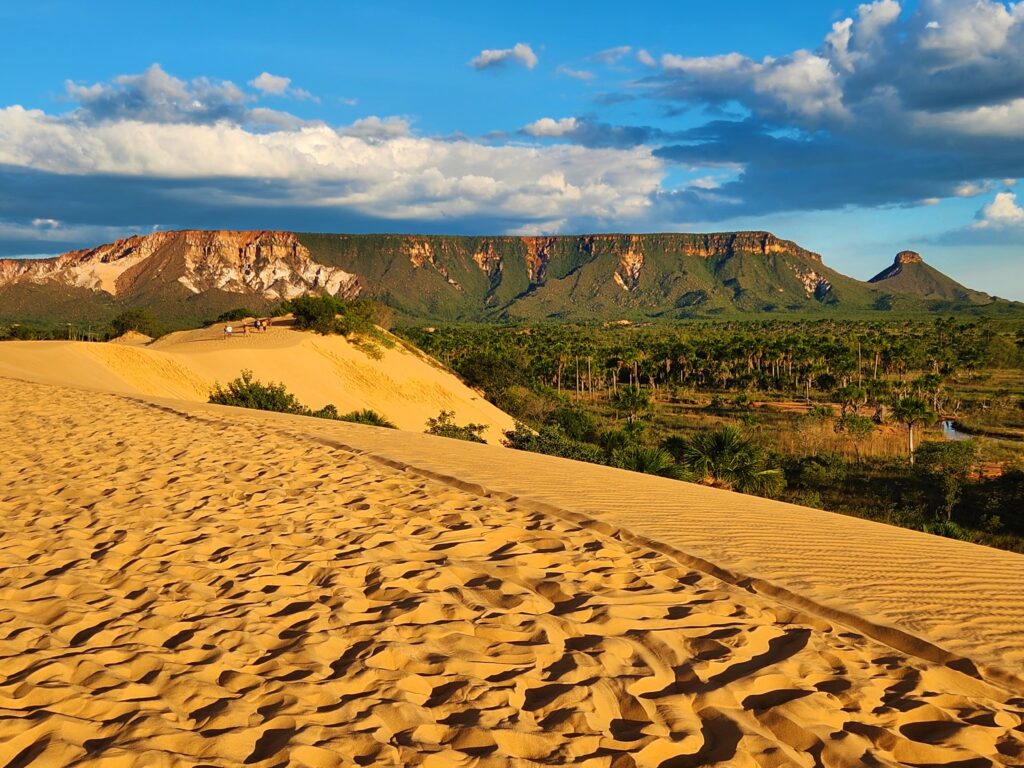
(805, 412)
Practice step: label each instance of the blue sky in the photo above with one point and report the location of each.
(857, 130)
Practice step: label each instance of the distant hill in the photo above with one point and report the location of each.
(910, 276)
(190, 276)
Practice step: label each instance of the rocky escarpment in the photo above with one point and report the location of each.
(272, 265)
(191, 276)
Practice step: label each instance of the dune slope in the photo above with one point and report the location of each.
(406, 387)
(184, 585)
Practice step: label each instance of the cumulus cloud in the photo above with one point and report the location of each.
(970, 189)
(894, 107)
(277, 85)
(548, 127)
(520, 53)
(155, 96)
(1001, 213)
(273, 84)
(374, 168)
(575, 74)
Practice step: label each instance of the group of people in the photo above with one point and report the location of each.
(256, 326)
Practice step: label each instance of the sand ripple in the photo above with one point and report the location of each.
(215, 592)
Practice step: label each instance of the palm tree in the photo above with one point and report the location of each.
(652, 461)
(911, 411)
(726, 459)
(633, 402)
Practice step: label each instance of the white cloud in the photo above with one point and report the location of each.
(645, 58)
(994, 121)
(520, 53)
(968, 30)
(276, 85)
(727, 63)
(802, 83)
(272, 84)
(547, 127)
(575, 74)
(45, 223)
(839, 41)
(1002, 212)
(376, 128)
(970, 189)
(374, 167)
(874, 18)
(611, 55)
(156, 96)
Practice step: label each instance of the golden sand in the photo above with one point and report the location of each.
(193, 585)
(403, 384)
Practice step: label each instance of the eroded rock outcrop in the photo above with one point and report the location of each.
(274, 265)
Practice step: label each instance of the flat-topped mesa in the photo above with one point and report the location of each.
(729, 243)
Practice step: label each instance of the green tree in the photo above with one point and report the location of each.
(947, 465)
(633, 402)
(135, 319)
(857, 428)
(911, 411)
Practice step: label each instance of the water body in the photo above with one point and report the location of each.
(950, 432)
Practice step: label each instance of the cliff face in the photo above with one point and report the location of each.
(272, 265)
(188, 275)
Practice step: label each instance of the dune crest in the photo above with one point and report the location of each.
(223, 588)
(405, 386)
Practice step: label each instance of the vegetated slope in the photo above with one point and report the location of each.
(404, 385)
(186, 277)
(910, 276)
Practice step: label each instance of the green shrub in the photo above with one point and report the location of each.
(445, 426)
(327, 314)
(234, 315)
(649, 460)
(247, 392)
(575, 423)
(366, 416)
(553, 441)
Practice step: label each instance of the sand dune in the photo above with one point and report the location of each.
(192, 585)
(403, 385)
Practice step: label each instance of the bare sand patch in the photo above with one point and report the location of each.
(218, 588)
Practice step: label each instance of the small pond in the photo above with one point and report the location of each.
(950, 432)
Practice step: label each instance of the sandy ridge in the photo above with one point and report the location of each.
(957, 596)
(221, 589)
(893, 636)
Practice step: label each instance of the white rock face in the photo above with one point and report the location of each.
(814, 284)
(270, 264)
